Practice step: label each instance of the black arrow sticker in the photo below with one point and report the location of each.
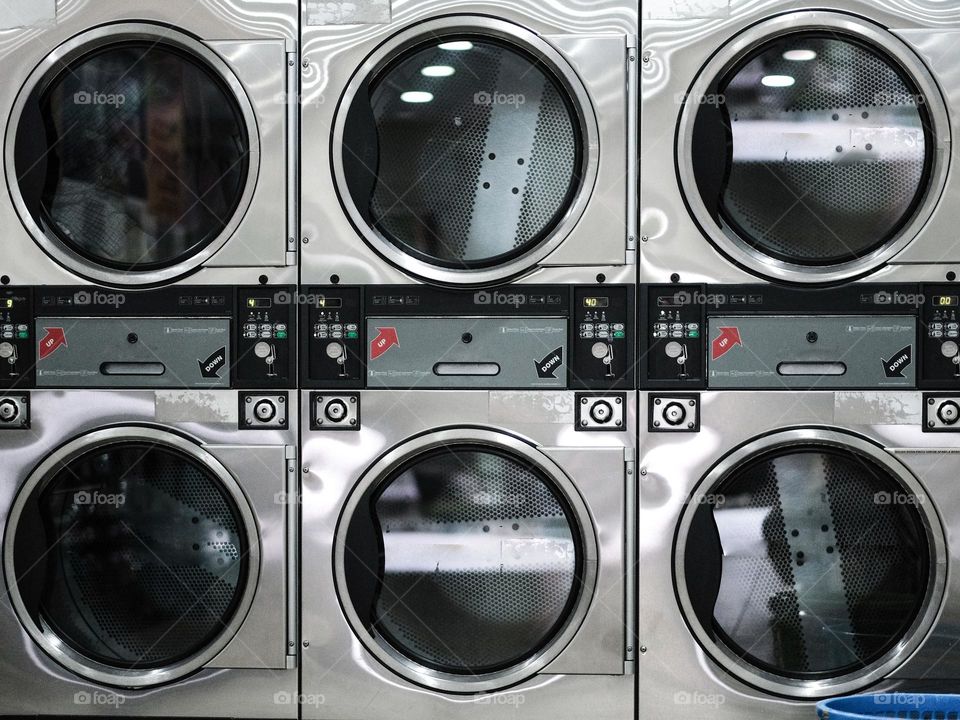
(894, 367)
(210, 368)
(547, 368)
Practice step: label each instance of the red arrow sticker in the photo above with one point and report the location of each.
(726, 341)
(386, 338)
(52, 341)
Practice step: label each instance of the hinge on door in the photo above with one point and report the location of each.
(632, 112)
(630, 562)
(291, 510)
(293, 157)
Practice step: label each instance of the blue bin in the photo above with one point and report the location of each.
(891, 705)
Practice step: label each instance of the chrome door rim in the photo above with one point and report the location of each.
(53, 645)
(403, 665)
(524, 39)
(912, 638)
(887, 43)
(102, 37)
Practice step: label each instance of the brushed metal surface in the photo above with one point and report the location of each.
(678, 679)
(248, 677)
(586, 678)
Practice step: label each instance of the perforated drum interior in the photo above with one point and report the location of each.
(464, 560)
(133, 555)
(808, 563)
(464, 151)
(815, 148)
(133, 155)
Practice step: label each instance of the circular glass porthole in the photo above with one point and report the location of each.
(133, 154)
(465, 562)
(810, 563)
(464, 150)
(811, 148)
(131, 556)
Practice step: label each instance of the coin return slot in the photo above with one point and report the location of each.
(466, 369)
(132, 368)
(811, 369)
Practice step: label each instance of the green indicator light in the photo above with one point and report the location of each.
(694, 334)
(619, 334)
(352, 335)
(281, 335)
(22, 335)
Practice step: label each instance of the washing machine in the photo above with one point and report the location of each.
(468, 143)
(804, 145)
(468, 552)
(797, 514)
(149, 509)
(149, 143)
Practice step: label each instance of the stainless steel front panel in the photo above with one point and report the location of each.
(133, 352)
(588, 48)
(780, 352)
(678, 42)
(250, 675)
(251, 40)
(683, 676)
(355, 675)
(469, 352)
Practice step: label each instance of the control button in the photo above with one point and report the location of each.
(674, 413)
(660, 326)
(599, 350)
(953, 333)
(677, 334)
(323, 327)
(603, 333)
(265, 410)
(617, 326)
(353, 335)
(8, 336)
(336, 328)
(659, 333)
(601, 412)
(949, 349)
(8, 328)
(323, 335)
(250, 326)
(334, 350)
(676, 326)
(280, 327)
(554, 299)
(936, 333)
(673, 349)
(693, 326)
(261, 350)
(266, 327)
(250, 334)
(953, 326)
(6, 350)
(948, 412)
(280, 335)
(603, 326)
(336, 335)
(266, 334)
(936, 326)
(619, 334)
(586, 334)
(336, 410)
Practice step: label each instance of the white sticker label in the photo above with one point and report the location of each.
(685, 9)
(348, 12)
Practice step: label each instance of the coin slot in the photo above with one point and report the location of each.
(132, 368)
(811, 369)
(466, 369)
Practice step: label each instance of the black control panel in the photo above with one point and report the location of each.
(587, 335)
(689, 330)
(223, 336)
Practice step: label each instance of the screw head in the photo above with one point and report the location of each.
(306, 469)
(643, 648)
(643, 471)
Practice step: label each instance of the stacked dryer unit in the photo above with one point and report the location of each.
(145, 144)
(799, 356)
(467, 347)
(147, 423)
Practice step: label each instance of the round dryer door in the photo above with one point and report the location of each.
(809, 563)
(809, 147)
(462, 150)
(133, 154)
(131, 556)
(465, 561)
